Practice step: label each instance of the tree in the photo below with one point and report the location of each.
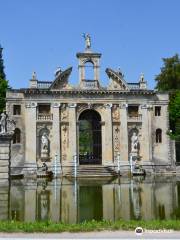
(174, 114)
(3, 83)
(169, 80)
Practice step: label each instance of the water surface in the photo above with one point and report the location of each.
(73, 202)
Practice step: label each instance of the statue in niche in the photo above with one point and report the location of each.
(87, 40)
(44, 146)
(134, 143)
(3, 122)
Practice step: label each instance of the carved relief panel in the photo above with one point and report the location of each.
(64, 131)
(116, 139)
(115, 113)
(116, 128)
(64, 113)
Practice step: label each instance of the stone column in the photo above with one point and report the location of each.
(30, 135)
(150, 132)
(96, 70)
(55, 145)
(81, 70)
(108, 149)
(72, 132)
(123, 133)
(146, 143)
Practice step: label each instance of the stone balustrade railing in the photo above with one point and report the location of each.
(45, 117)
(134, 118)
(44, 84)
(89, 84)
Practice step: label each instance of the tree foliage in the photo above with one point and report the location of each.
(169, 80)
(174, 113)
(3, 83)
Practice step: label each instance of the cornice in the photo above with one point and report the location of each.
(29, 91)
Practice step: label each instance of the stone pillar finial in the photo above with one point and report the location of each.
(34, 76)
(141, 77)
(142, 82)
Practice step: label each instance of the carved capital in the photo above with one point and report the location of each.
(56, 105)
(124, 106)
(31, 105)
(146, 106)
(108, 105)
(72, 105)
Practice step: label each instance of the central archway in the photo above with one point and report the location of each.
(90, 146)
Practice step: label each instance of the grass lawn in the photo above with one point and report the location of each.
(13, 226)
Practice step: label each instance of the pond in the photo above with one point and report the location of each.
(76, 201)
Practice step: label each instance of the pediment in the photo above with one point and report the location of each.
(61, 80)
(117, 81)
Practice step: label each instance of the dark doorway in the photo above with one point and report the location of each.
(90, 147)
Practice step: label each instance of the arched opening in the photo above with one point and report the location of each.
(90, 147)
(158, 135)
(89, 70)
(17, 136)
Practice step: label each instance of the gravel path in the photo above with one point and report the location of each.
(92, 235)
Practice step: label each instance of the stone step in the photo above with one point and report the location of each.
(93, 171)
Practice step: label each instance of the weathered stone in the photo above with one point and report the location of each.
(60, 119)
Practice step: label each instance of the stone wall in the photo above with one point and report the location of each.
(115, 126)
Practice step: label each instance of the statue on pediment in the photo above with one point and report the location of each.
(57, 71)
(87, 40)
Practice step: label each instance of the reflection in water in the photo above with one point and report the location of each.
(90, 203)
(66, 201)
(136, 199)
(43, 204)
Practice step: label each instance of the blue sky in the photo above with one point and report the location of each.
(40, 35)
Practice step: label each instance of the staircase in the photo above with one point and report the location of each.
(93, 171)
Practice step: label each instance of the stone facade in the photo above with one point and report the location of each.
(54, 109)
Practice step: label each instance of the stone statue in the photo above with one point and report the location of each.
(58, 71)
(34, 76)
(3, 122)
(44, 146)
(134, 143)
(120, 72)
(87, 40)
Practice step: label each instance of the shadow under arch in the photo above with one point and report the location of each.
(90, 137)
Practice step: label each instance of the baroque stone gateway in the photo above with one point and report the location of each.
(99, 127)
